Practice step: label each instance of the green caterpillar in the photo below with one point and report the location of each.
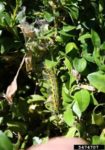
(54, 96)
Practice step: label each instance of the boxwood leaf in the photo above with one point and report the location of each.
(68, 28)
(98, 117)
(49, 17)
(97, 79)
(95, 39)
(79, 64)
(8, 133)
(66, 34)
(72, 132)
(77, 110)
(70, 46)
(68, 116)
(83, 37)
(5, 143)
(35, 98)
(66, 97)
(67, 63)
(83, 99)
(95, 139)
(102, 137)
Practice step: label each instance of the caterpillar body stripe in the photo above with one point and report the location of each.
(54, 97)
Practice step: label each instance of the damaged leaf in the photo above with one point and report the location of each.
(12, 88)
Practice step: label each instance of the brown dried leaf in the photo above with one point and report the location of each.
(27, 30)
(12, 88)
(28, 61)
(87, 87)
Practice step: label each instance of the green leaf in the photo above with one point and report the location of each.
(5, 19)
(94, 100)
(68, 28)
(72, 78)
(76, 109)
(48, 16)
(98, 117)
(103, 46)
(96, 56)
(8, 133)
(99, 139)
(70, 46)
(68, 117)
(95, 139)
(72, 132)
(65, 87)
(66, 97)
(5, 143)
(79, 64)
(59, 39)
(88, 56)
(74, 12)
(83, 99)
(97, 79)
(66, 34)
(35, 98)
(67, 63)
(83, 37)
(101, 6)
(102, 137)
(95, 39)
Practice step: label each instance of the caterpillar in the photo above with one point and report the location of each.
(53, 85)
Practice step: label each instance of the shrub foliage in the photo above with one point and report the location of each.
(52, 76)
